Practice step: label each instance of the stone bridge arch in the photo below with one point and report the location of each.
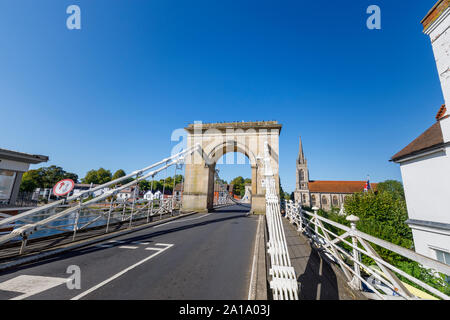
(217, 140)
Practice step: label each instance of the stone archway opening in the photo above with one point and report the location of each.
(234, 170)
(218, 139)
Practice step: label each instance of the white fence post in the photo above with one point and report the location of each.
(316, 221)
(356, 282)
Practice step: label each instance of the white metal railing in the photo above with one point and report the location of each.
(284, 281)
(223, 195)
(77, 213)
(381, 279)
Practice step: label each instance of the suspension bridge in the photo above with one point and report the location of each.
(198, 246)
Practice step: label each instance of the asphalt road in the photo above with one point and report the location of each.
(203, 256)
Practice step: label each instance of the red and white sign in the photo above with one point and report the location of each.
(63, 187)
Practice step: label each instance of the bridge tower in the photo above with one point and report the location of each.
(218, 139)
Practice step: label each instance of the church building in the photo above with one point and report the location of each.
(321, 193)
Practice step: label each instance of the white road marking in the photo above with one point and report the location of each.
(160, 225)
(128, 247)
(164, 244)
(157, 249)
(101, 284)
(251, 286)
(116, 241)
(31, 285)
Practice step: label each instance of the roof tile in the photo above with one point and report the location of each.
(339, 186)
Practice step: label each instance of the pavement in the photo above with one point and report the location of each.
(318, 278)
(200, 257)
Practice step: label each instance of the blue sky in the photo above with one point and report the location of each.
(110, 95)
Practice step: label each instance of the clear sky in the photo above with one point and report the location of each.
(110, 95)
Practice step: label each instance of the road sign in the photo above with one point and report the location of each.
(63, 187)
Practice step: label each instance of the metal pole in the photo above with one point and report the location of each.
(109, 214)
(124, 207)
(173, 190)
(134, 202)
(182, 190)
(24, 243)
(75, 226)
(148, 211)
(161, 203)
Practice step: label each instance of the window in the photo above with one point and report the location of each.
(443, 257)
(302, 175)
(335, 201)
(324, 200)
(313, 200)
(6, 184)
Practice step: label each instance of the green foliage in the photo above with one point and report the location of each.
(118, 174)
(99, 176)
(426, 275)
(166, 184)
(45, 177)
(222, 181)
(30, 181)
(383, 215)
(394, 187)
(239, 185)
(283, 195)
(145, 185)
(121, 173)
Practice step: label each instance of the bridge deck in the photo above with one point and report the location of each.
(200, 257)
(317, 279)
(10, 251)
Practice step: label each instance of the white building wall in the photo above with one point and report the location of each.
(426, 182)
(428, 240)
(14, 165)
(439, 33)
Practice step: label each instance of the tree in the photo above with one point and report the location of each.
(99, 176)
(145, 185)
(121, 173)
(51, 175)
(118, 174)
(45, 177)
(168, 183)
(222, 181)
(393, 186)
(238, 186)
(30, 181)
(382, 215)
(283, 195)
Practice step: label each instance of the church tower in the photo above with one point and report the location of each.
(301, 188)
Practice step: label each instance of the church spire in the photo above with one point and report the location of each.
(301, 156)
